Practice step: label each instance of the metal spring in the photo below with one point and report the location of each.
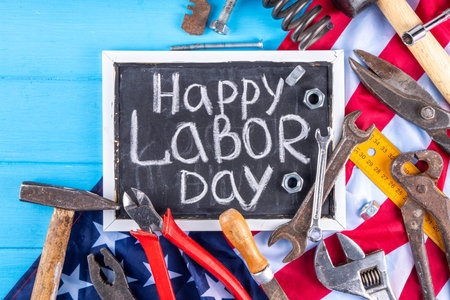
(371, 278)
(305, 36)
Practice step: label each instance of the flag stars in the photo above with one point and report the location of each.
(151, 280)
(216, 290)
(108, 238)
(72, 283)
(110, 274)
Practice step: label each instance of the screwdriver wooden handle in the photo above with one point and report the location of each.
(427, 51)
(53, 255)
(237, 232)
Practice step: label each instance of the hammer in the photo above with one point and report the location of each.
(66, 201)
(428, 52)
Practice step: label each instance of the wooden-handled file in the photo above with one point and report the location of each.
(238, 233)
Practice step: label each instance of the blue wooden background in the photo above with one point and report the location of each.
(51, 100)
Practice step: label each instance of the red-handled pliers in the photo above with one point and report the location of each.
(142, 211)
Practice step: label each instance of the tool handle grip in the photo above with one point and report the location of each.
(237, 232)
(53, 255)
(180, 239)
(427, 51)
(155, 256)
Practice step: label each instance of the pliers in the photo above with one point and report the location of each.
(141, 210)
(423, 196)
(403, 95)
(118, 289)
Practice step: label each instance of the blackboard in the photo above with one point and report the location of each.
(200, 138)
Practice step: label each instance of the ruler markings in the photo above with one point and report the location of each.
(374, 157)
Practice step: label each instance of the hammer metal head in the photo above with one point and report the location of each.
(352, 7)
(362, 275)
(63, 197)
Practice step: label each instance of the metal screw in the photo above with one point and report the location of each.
(369, 210)
(314, 98)
(218, 45)
(292, 183)
(427, 112)
(220, 25)
(417, 32)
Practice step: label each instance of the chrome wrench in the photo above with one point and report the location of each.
(315, 232)
(295, 230)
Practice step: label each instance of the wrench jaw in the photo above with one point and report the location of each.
(351, 249)
(342, 279)
(364, 276)
(358, 135)
(297, 239)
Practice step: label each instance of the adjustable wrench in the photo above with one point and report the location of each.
(314, 231)
(295, 230)
(363, 275)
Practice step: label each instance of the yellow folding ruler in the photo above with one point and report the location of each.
(374, 158)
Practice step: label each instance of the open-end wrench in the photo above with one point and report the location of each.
(295, 230)
(314, 231)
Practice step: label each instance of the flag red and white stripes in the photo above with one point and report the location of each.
(370, 31)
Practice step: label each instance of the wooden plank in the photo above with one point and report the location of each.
(13, 264)
(27, 223)
(50, 39)
(51, 66)
(51, 121)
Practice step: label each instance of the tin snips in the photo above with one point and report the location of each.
(423, 196)
(403, 95)
(139, 207)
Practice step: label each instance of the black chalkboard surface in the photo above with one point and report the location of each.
(200, 134)
(181, 142)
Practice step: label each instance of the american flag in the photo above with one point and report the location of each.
(371, 32)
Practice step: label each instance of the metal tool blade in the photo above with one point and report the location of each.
(64, 197)
(269, 284)
(139, 207)
(406, 105)
(274, 291)
(395, 77)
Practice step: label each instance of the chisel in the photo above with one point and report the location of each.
(237, 232)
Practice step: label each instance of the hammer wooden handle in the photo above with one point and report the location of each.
(428, 52)
(237, 232)
(52, 258)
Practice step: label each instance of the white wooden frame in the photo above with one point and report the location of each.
(109, 58)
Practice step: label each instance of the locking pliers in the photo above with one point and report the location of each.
(403, 95)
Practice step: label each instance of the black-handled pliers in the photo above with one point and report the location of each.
(403, 95)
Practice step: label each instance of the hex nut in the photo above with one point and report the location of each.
(292, 183)
(369, 210)
(295, 75)
(219, 27)
(314, 98)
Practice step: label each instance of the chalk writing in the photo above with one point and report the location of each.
(252, 135)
